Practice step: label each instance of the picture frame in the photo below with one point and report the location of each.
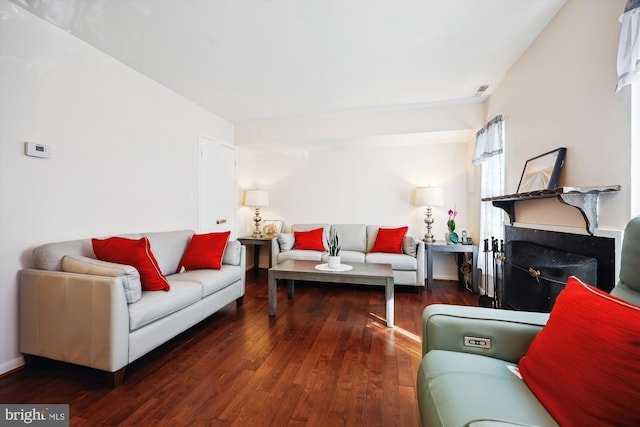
(541, 172)
(271, 227)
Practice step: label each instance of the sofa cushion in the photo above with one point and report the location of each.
(389, 240)
(456, 388)
(286, 241)
(204, 251)
(301, 255)
(156, 305)
(168, 248)
(50, 255)
(307, 227)
(583, 365)
(309, 240)
(410, 245)
(85, 265)
(136, 253)
(346, 256)
(353, 237)
(211, 280)
(232, 253)
(397, 261)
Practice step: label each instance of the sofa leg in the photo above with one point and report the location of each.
(239, 301)
(116, 378)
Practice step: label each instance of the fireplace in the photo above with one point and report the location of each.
(537, 263)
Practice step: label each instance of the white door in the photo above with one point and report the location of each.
(217, 198)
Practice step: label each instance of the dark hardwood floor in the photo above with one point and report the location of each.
(326, 359)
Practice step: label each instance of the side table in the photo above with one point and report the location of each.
(257, 242)
(443, 247)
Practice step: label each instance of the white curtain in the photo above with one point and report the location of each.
(629, 45)
(489, 154)
(489, 140)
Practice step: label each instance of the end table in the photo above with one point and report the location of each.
(257, 242)
(444, 247)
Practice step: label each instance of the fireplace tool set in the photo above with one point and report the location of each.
(496, 277)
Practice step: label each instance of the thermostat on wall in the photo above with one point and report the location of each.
(37, 150)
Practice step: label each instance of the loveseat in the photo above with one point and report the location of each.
(357, 241)
(78, 309)
(577, 366)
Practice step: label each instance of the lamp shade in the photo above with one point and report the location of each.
(429, 196)
(256, 198)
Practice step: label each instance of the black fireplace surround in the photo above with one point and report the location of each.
(538, 262)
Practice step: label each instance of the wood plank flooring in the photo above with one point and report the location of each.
(326, 359)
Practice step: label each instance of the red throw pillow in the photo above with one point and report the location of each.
(310, 240)
(389, 240)
(583, 365)
(205, 251)
(136, 253)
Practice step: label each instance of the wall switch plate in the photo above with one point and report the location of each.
(477, 342)
(37, 150)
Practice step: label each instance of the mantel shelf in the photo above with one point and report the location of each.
(585, 199)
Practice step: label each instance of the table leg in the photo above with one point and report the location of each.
(273, 294)
(256, 256)
(290, 285)
(429, 270)
(474, 273)
(390, 303)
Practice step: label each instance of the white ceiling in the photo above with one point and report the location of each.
(251, 59)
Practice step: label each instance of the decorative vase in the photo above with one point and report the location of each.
(334, 261)
(452, 237)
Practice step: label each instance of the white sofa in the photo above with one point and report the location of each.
(357, 241)
(105, 320)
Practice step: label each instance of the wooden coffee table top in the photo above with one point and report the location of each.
(358, 270)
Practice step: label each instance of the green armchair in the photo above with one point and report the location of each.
(469, 372)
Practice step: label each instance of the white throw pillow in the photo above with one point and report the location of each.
(85, 265)
(286, 241)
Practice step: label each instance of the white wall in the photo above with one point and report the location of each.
(561, 92)
(125, 151)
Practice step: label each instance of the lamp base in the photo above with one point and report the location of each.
(428, 237)
(256, 220)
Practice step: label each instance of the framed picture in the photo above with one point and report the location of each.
(541, 173)
(271, 227)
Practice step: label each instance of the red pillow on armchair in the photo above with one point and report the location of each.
(584, 364)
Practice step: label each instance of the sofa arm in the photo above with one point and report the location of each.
(77, 318)
(420, 254)
(275, 250)
(444, 327)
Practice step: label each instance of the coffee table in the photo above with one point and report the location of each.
(362, 274)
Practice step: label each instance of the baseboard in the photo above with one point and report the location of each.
(9, 366)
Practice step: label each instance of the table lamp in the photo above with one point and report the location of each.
(429, 197)
(256, 198)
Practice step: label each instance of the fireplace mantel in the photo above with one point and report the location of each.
(585, 199)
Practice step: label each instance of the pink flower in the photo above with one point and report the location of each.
(452, 213)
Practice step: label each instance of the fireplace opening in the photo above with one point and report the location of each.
(536, 274)
(538, 263)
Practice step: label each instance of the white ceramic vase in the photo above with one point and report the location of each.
(334, 261)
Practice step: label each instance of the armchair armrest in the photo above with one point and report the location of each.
(444, 327)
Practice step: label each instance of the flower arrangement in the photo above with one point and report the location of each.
(451, 223)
